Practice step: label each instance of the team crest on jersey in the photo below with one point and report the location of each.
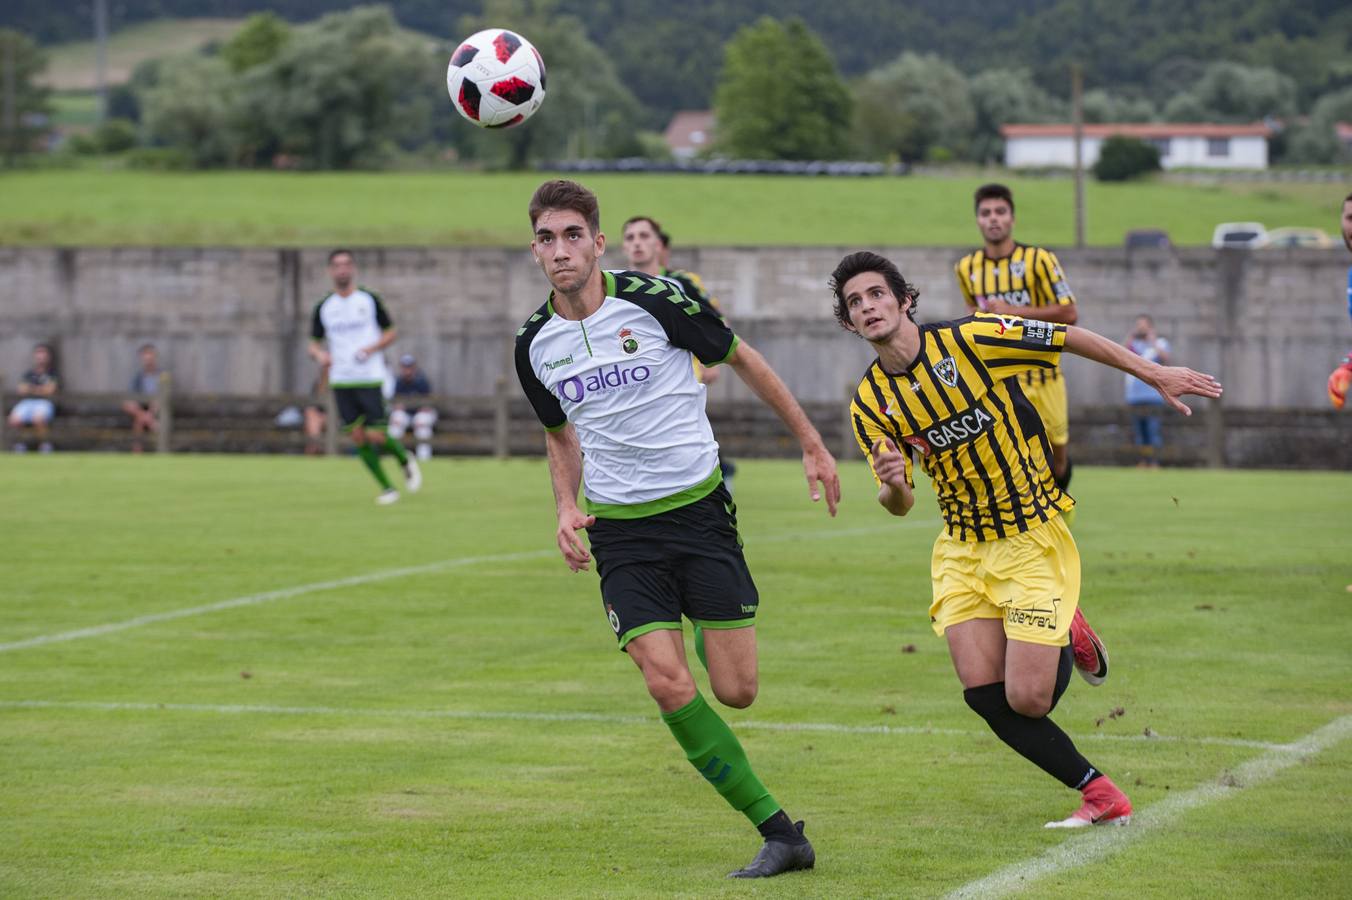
(946, 370)
(627, 342)
(1017, 269)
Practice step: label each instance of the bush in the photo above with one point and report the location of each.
(115, 136)
(1122, 158)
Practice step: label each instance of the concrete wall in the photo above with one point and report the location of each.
(1270, 323)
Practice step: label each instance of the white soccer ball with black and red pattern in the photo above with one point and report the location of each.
(496, 78)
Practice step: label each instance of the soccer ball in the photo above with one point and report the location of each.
(496, 78)
(1338, 383)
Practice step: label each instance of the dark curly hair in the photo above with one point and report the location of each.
(864, 261)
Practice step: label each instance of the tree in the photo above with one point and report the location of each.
(1102, 106)
(587, 112)
(1122, 158)
(1004, 96)
(779, 96)
(914, 108)
(1317, 141)
(23, 104)
(194, 105)
(258, 41)
(1232, 92)
(341, 93)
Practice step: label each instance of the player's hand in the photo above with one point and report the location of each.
(570, 543)
(322, 357)
(889, 464)
(820, 467)
(1174, 381)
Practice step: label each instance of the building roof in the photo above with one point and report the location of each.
(690, 130)
(1139, 130)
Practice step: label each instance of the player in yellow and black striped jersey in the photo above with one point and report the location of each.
(1005, 572)
(1008, 278)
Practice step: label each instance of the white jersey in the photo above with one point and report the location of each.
(349, 324)
(624, 377)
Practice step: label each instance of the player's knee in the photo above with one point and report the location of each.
(739, 695)
(424, 419)
(1028, 701)
(671, 686)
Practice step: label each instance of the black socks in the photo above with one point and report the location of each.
(1037, 740)
(779, 827)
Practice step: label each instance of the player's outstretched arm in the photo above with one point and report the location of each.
(565, 474)
(818, 463)
(1171, 381)
(889, 465)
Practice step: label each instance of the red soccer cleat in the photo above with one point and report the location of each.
(1091, 658)
(1103, 804)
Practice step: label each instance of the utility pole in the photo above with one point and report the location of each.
(9, 112)
(101, 55)
(1077, 131)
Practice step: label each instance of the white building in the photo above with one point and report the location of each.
(1191, 145)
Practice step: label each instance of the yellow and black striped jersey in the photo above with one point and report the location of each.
(958, 412)
(1030, 276)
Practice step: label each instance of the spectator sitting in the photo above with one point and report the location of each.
(142, 406)
(409, 385)
(35, 407)
(1145, 402)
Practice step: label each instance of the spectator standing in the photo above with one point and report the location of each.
(411, 388)
(143, 405)
(1146, 404)
(35, 408)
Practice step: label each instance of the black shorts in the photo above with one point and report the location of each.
(687, 561)
(364, 406)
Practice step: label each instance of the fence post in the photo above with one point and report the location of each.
(330, 423)
(500, 419)
(166, 399)
(1215, 435)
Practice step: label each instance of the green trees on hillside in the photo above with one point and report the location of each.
(779, 96)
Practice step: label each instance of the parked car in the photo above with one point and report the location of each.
(1299, 237)
(1143, 238)
(1239, 235)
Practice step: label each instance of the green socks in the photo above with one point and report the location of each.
(371, 458)
(714, 751)
(396, 450)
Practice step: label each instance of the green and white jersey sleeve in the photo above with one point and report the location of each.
(623, 377)
(348, 324)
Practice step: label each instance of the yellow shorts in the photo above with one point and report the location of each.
(1030, 580)
(1049, 399)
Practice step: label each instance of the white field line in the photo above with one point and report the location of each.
(382, 575)
(604, 718)
(1080, 849)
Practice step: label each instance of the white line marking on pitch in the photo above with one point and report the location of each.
(1079, 849)
(383, 575)
(606, 718)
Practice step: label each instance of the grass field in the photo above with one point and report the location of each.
(238, 676)
(72, 66)
(89, 206)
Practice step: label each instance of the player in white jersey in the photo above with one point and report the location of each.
(607, 363)
(356, 328)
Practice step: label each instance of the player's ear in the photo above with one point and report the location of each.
(600, 242)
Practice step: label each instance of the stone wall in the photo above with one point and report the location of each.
(1271, 324)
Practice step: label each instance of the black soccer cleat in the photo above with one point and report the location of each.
(778, 857)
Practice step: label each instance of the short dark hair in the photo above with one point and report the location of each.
(864, 261)
(1348, 198)
(664, 238)
(563, 194)
(342, 251)
(649, 219)
(992, 191)
(144, 347)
